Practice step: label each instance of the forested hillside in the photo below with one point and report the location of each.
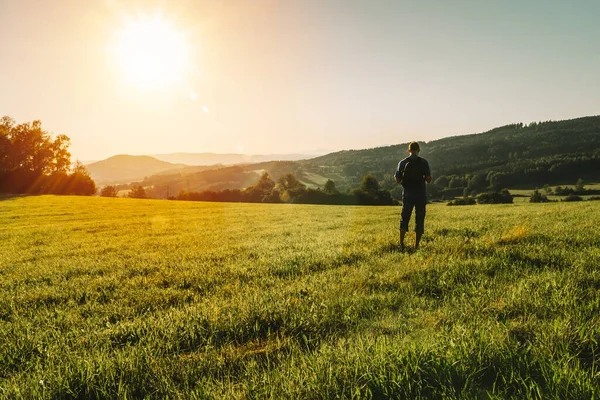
(553, 152)
(517, 154)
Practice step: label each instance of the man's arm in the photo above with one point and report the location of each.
(398, 174)
(427, 173)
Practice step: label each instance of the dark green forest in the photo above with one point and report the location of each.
(553, 152)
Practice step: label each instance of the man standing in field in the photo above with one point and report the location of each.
(412, 173)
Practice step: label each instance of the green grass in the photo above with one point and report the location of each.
(124, 298)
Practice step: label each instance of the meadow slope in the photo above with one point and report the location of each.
(125, 298)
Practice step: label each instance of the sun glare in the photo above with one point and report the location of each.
(152, 52)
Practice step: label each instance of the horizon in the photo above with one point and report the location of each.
(322, 152)
(121, 78)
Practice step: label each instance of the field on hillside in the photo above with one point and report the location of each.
(125, 298)
(524, 194)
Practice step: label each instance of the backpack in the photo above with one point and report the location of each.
(412, 174)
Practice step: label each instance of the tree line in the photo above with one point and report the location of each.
(33, 162)
(288, 189)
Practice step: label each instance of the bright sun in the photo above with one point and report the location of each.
(152, 52)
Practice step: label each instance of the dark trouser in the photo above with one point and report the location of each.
(407, 208)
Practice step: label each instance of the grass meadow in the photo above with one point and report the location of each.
(125, 298)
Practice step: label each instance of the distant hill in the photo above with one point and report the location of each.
(512, 149)
(220, 178)
(125, 168)
(515, 155)
(551, 152)
(226, 159)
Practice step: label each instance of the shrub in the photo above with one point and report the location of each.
(137, 192)
(108, 191)
(377, 198)
(330, 188)
(504, 197)
(560, 191)
(572, 197)
(538, 197)
(370, 193)
(465, 201)
(593, 198)
(80, 183)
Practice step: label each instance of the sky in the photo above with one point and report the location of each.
(292, 76)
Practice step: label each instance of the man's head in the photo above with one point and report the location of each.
(413, 148)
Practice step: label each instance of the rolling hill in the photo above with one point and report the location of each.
(507, 156)
(473, 153)
(551, 152)
(125, 168)
(226, 159)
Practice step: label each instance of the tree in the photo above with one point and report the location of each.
(31, 161)
(273, 197)
(6, 124)
(442, 181)
(537, 197)
(265, 183)
(498, 180)
(261, 191)
(330, 188)
(108, 191)
(560, 191)
(137, 192)
(579, 186)
(456, 182)
(476, 181)
(370, 193)
(369, 184)
(33, 149)
(80, 182)
(289, 182)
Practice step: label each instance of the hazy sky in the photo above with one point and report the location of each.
(283, 76)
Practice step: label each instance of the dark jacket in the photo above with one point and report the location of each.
(415, 194)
